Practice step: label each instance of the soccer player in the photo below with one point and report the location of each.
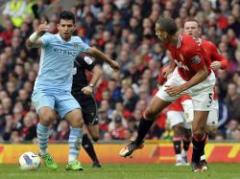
(192, 76)
(83, 90)
(179, 116)
(218, 61)
(52, 89)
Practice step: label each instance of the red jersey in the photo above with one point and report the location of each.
(213, 54)
(188, 56)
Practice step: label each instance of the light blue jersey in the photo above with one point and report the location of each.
(56, 62)
(54, 82)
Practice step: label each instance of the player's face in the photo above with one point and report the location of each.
(66, 28)
(160, 33)
(191, 28)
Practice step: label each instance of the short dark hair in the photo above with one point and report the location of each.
(190, 19)
(168, 24)
(67, 15)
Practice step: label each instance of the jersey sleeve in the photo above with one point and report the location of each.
(83, 46)
(216, 56)
(86, 62)
(46, 38)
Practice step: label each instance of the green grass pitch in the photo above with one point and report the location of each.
(124, 171)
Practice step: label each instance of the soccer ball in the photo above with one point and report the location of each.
(29, 161)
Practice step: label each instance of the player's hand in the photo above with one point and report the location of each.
(87, 90)
(216, 65)
(174, 90)
(42, 28)
(114, 65)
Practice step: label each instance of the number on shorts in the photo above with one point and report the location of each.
(210, 98)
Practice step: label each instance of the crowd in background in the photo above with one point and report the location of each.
(123, 30)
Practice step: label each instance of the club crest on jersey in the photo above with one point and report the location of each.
(196, 59)
(75, 45)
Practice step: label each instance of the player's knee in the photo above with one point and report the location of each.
(47, 118)
(95, 138)
(77, 123)
(150, 114)
(198, 134)
(94, 134)
(178, 130)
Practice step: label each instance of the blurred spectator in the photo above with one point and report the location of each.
(233, 102)
(118, 128)
(28, 131)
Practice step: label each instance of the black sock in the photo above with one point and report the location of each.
(198, 148)
(177, 146)
(88, 147)
(187, 139)
(186, 144)
(202, 152)
(143, 128)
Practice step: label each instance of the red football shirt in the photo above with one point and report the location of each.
(188, 56)
(213, 54)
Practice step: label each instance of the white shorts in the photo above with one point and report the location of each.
(202, 93)
(186, 117)
(213, 115)
(177, 117)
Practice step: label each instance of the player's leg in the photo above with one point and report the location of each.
(69, 109)
(187, 134)
(157, 104)
(155, 107)
(202, 98)
(44, 105)
(93, 130)
(176, 121)
(199, 137)
(89, 111)
(212, 123)
(75, 139)
(187, 138)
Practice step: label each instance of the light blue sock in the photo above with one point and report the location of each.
(74, 141)
(42, 135)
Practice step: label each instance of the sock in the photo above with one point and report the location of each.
(203, 157)
(187, 139)
(74, 142)
(177, 145)
(186, 144)
(88, 147)
(143, 128)
(202, 153)
(198, 147)
(42, 135)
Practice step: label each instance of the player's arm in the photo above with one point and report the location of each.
(34, 40)
(201, 75)
(218, 60)
(97, 74)
(199, 66)
(100, 56)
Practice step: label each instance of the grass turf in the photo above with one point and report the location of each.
(125, 171)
